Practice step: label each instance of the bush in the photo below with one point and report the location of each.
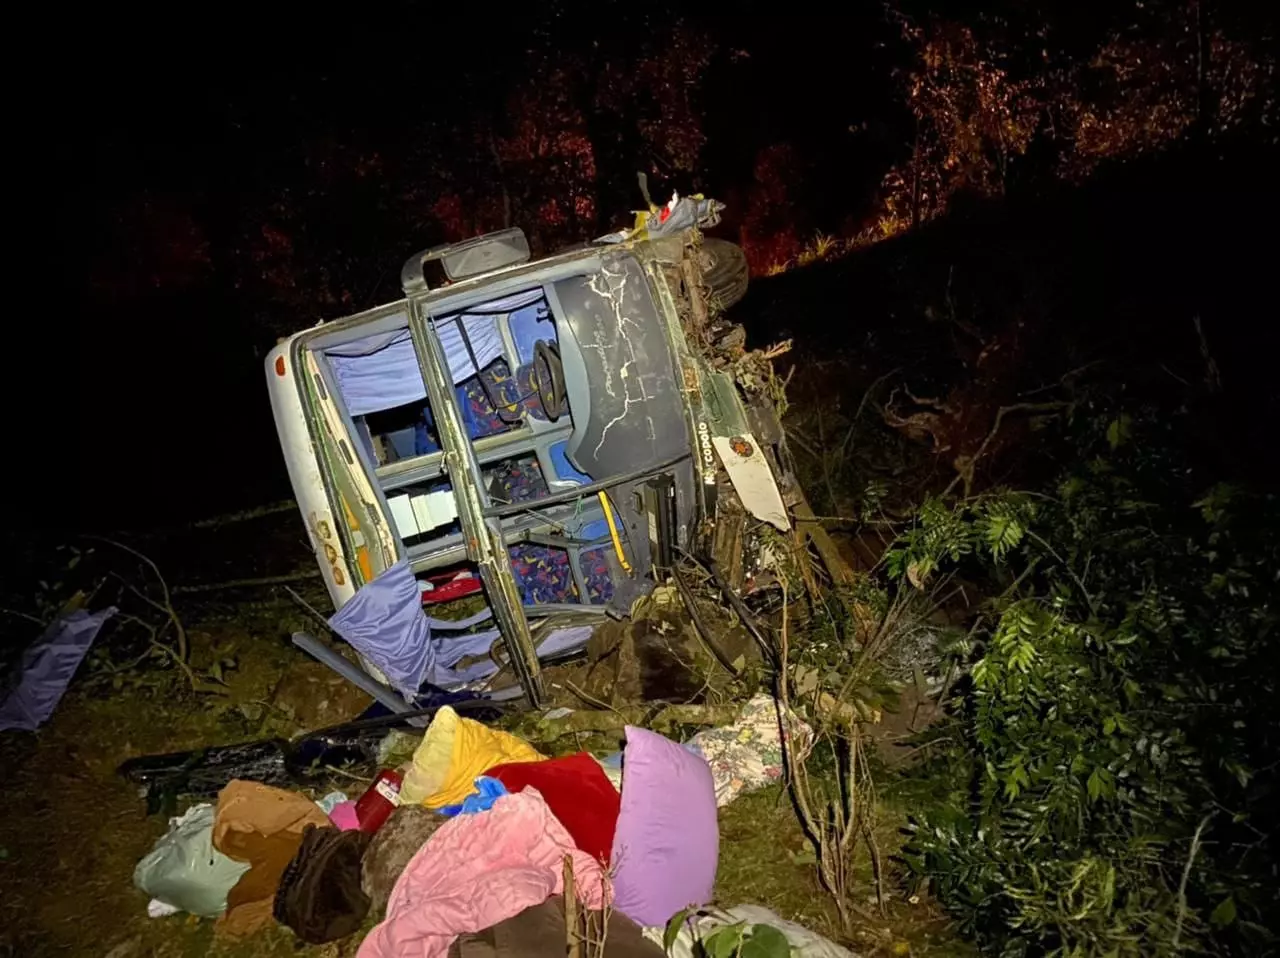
(1108, 766)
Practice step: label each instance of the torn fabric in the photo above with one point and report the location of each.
(384, 621)
(47, 668)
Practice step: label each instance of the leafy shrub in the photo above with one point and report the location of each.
(1108, 767)
(736, 940)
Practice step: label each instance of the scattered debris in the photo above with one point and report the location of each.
(638, 828)
(202, 773)
(261, 827)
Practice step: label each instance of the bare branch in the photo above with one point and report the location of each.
(965, 470)
(1186, 874)
(573, 931)
(165, 606)
(153, 639)
(135, 553)
(23, 615)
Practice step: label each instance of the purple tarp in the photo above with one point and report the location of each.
(385, 622)
(47, 668)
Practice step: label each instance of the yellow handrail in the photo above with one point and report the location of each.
(613, 531)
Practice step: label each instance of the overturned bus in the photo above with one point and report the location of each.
(490, 464)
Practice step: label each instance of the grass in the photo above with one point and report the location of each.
(74, 830)
(765, 860)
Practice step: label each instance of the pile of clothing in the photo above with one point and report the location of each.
(486, 838)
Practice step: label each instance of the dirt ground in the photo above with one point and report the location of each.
(68, 851)
(75, 829)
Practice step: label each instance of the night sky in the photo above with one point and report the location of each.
(181, 143)
(174, 158)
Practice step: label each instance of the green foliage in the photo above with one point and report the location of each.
(991, 524)
(738, 940)
(1109, 779)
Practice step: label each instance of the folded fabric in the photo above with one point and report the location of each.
(578, 793)
(747, 755)
(488, 790)
(184, 872)
(478, 870)
(539, 932)
(804, 943)
(394, 844)
(344, 816)
(453, 754)
(320, 896)
(667, 842)
(261, 826)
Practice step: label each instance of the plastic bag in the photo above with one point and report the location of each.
(202, 773)
(185, 871)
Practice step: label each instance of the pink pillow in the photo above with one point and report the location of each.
(667, 842)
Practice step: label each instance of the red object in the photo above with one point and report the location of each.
(578, 793)
(449, 586)
(379, 801)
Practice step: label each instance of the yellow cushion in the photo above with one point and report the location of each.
(453, 754)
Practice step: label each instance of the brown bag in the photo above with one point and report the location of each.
(263, 826)
(320, 896)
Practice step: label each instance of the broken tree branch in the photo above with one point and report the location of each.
(967, 465)
(777, 349)
(572, 922)
(166, 605)
(153, 639)
(23, 615)
(809, 528)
